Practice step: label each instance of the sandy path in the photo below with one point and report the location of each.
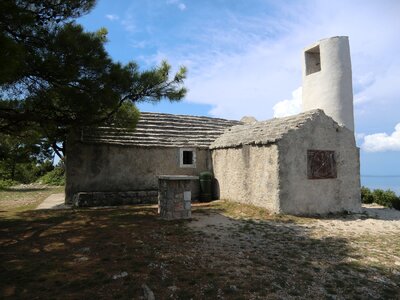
(54, 201)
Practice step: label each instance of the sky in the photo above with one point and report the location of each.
(244, 58)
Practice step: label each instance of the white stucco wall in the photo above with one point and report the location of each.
(248, 174)
(330, 89)
(302, 196)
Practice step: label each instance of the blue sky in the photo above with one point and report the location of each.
(244, 58)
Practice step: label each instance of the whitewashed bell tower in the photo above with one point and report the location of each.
(327, 79)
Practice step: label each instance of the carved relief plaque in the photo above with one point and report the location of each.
(321, 164)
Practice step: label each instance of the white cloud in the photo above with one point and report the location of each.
(112, 17)
(181, 6)
(380, 142)
(290, 107)
(359, 136)
(128, 23)
(139, 44)
(244, 83)
(245, 65)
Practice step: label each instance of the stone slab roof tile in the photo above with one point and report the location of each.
(265, 132)
(162, 130)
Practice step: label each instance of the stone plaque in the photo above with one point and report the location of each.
(321, 164)
(187, 195)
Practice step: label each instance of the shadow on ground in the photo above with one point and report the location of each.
(109, 253)
(382, 213)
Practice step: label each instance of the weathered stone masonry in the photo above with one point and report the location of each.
(120, 161)
(303, 164)
(175, 196)
(265, 164)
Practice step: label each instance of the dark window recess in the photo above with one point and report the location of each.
(187, 157)
(313, 60)
(321, 164)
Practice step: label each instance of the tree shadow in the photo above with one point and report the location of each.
(388, 214)
(83, 253)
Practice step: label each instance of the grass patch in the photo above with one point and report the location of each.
(17, 199)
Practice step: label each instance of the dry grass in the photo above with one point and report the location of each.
(227, 251)
(24, 197)
(250, 212)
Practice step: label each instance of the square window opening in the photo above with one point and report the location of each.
(187, 157)
(313, 60)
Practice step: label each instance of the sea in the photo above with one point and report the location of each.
(382, 182)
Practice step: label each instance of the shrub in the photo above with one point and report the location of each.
(5, 183)
(396, 203)
(384, 198)
(44, 168)
(366, 195)
(25, 172)
(54, 177)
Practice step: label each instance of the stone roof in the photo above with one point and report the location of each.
(162, 130)
(265, 132)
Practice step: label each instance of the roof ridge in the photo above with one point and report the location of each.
(186, 116)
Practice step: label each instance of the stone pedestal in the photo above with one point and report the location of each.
(175, 196)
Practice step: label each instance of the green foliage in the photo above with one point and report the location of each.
(396, 203)
(25, 173)
(54, 177)
(127, 116)
(44, 168)
(366, 195)
(23, 158)
(386, 198)
(6, 183)
(24, 24)
(55, 77)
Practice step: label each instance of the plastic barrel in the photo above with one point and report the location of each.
(206, 179)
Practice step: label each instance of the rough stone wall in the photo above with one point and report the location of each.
(111, 168)
(303, 196)
(248, 174)
(92, 199)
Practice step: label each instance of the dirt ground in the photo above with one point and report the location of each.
(334, 257)
(227, 251)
